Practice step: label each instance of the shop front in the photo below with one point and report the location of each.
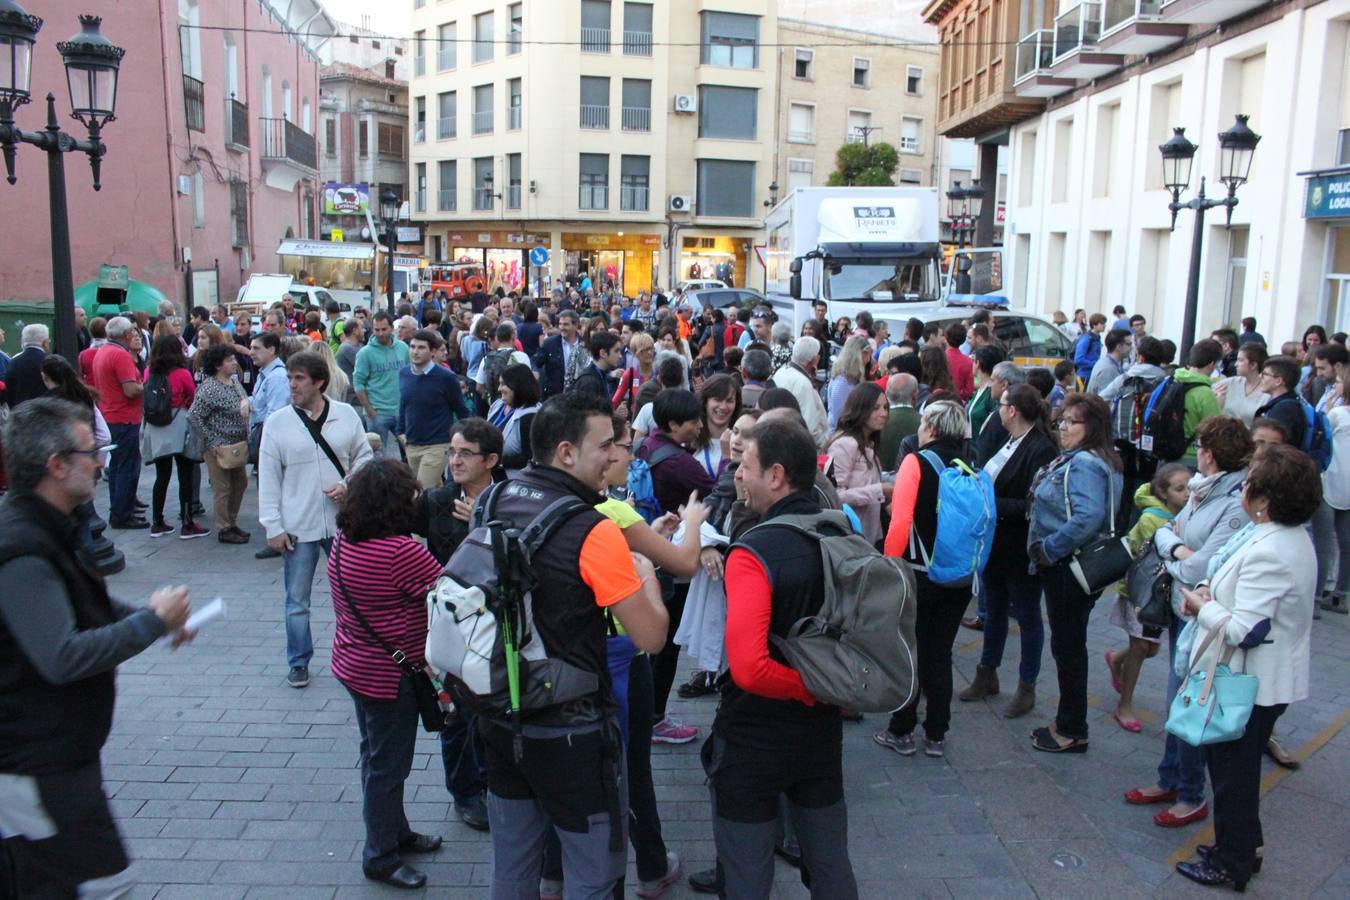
(627, 261)
(1328, 203)
(503, 255)
(717, 257)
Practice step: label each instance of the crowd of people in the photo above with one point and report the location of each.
(680, 429)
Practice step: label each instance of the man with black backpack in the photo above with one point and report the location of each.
(1279, 378)
(1179, 404)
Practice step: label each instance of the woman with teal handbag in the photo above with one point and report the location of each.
(1255, 611)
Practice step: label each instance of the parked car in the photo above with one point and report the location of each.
(1028, 338)
(701, 284)
(722, 297)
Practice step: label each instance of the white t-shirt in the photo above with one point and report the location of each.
(645, 420)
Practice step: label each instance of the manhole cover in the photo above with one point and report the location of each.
(1066, 860)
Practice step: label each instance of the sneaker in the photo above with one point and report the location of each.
(933, 748)
(232, 536)
(191, 530)
(700, 684)
(706, 882)
(550, 889)
(900, 743)
(669, 731)
(160, 528)
(298, 677)
(658, 887)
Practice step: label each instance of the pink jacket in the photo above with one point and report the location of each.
(858, 478)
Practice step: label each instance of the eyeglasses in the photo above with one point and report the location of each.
(1005, 405)
(92, 452)
(626, 448)
(1067, 421)
(466, 454)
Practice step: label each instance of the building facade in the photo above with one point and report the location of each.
(211, 160)
(633, 141)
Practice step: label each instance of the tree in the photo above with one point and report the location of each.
(864, 164)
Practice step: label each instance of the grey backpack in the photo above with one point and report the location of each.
(857, 652)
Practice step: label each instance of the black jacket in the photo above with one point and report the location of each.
(552, 366)
(1288, 411)
(593, 381)
(23, 380)
(1011, 490)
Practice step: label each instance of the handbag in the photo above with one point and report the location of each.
(426, 692)
(232, 456)
(1213, 705)
(1149, 587)
(193, 450)
(1100, 564)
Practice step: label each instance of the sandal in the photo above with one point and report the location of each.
(1044, 739)
(1134, 726)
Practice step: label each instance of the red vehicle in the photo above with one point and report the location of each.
(456, 279)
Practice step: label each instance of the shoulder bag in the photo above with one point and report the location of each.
(1214, 704)
(315, 429)
(1101, 563)
(1148, 585)
(427, 692)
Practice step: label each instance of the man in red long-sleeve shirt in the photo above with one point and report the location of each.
(774, 576)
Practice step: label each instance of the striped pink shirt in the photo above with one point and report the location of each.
(388, 578)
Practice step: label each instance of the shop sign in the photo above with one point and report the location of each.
(598, 240)
(409, 234)
(336, 236)
(342, 199)
(1328, 197)
(651, 240)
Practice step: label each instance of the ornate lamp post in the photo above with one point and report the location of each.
(956, 211)
(1237, 145)
(389, 210)
(974, 203)
(91, 62)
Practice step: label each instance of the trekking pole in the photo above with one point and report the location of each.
(511, 595)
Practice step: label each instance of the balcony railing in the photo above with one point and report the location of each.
(1117, 12)
(513, 40)
(513, 196)
(236, 122)
(420, 133)
(513, 118)
(445, 200)
(637, 43)
(855, 136)
(482, 121)
(282, 140)
(419, 66)
(445, 128)
(421, 200)
(801, 137)
(445, 58)
(594, 196)
(1078, 27)
(593, 116)
(194, 103)
(637, 118)
(633, 198)
(1035, 52)
(482, 198)
(595, 40)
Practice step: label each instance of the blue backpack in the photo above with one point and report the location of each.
(966, 516)
(1317, 436)
(640, 488)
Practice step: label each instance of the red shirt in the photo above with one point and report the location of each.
(749, 611)
(963, 372)
(114, 365)
(181, 387)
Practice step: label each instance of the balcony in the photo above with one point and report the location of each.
(194, 103)
(482, 121)
(287, 154)
(445, 200)
(445, 58)
(855, 137)
(513, 118)
(445, 128)
(421, 200)
(1136, 28)
(419, 66)
(593, 196)
(513, 196)
(482, 198)
(909, 144)
(236, 124)
(633, 199)
(637, 118)
(637, 43)
(595, 40)
(593, 116)
(1035, 52)
(1076, 33)
(1207, 12)
(801, 137)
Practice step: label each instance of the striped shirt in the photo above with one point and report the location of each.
(388, 579)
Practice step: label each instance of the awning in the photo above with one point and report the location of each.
(141, 296)
(326, 249)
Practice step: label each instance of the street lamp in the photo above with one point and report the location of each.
(974, 203)
(1237, 145)
(91, 62)
(956, 209)
(389, 210)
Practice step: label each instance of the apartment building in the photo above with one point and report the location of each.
(1082, 103)
(840, 85)
(633, 140)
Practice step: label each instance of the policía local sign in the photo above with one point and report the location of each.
(1328, 197)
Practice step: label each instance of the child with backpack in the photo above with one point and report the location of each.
(1158, 502)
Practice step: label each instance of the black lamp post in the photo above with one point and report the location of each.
(1237, 145)
(956, 209)
(91, 62)
(389, 209)
(974, 203)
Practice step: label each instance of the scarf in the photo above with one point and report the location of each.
(1201, 485)
(1230, 547)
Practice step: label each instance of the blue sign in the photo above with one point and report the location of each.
(539, 256)
(1328, 197)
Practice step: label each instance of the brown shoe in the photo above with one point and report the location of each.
(984, 685)
(232, 536)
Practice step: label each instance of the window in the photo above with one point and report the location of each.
(419, 53)
(446, 37)
(363, 139)
(513, 104)
(513, 181)
(198, 200)
(634, 181)
(914, 81)
(231, 67)
(266, 92)
(594, 102)
(420, 197)
(330, 137)
(1063, 159)
(911, 176)
(390, 139)
(594, 26)
(726, 187)
(482, 37)
(287, 111)
(800, 173)
(190, 38)
(637, 29)
(859, 127)
(801, 66)
(420, 120)
(482, 183)
(637, 104)
(801, 123)
(594, 172)
(306, 113)
(1236, 286)
(730, 39)
(726, 112)
(911, 134)
(238, 213)
(862, 72)
(446, 108)
(482, 109)
(390, 69)
(1343, 142)
(446, 180)
(516, 31)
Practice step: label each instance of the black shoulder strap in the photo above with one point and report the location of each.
(543, 526)
(340, 593)
(315, 429)
(661, 454)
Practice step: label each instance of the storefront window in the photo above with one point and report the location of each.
(1337, 287)
(719, 258)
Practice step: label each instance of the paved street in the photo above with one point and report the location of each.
(229, 784)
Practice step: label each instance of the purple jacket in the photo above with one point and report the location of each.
(675, 477)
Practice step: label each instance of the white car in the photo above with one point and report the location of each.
(264, 290)
(701, 284)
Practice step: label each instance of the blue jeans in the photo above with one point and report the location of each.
(1183, 767)
(462, 757)
(384, 424)
(1022, 593)
(124, 472)
(298, 575)
(388, 733)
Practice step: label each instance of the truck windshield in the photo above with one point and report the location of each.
(872, 280)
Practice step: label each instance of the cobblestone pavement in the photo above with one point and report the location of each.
(227, 783)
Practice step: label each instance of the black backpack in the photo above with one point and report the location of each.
(1163, 435)
(157, 401)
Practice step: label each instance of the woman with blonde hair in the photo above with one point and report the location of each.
(339, 385)
(642, 349)
(850, 370)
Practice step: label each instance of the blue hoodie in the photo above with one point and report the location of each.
(1086, 353)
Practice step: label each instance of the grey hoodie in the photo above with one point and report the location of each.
(1204, 528)
(1146, 371)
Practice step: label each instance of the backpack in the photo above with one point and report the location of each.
(967, 513)
(640, 488)
(1162, 434)
(1317, 435)
(157, 401)
(1127, 411)
(480, 619)
(494, 363)
(858, 650)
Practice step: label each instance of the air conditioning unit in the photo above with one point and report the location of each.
(686, 103)
(681, 203)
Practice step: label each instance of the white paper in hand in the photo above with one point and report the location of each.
(208, 613)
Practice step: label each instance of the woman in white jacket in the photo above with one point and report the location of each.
(1331, 522)
(1259, 598)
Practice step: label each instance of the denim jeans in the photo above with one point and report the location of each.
(384, 424)
(1012, 590)
(298, 574)
(1183, 767)
(388, 733)
(1331, 537)
(462, 757)
(1068, 608)
(124, 472)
